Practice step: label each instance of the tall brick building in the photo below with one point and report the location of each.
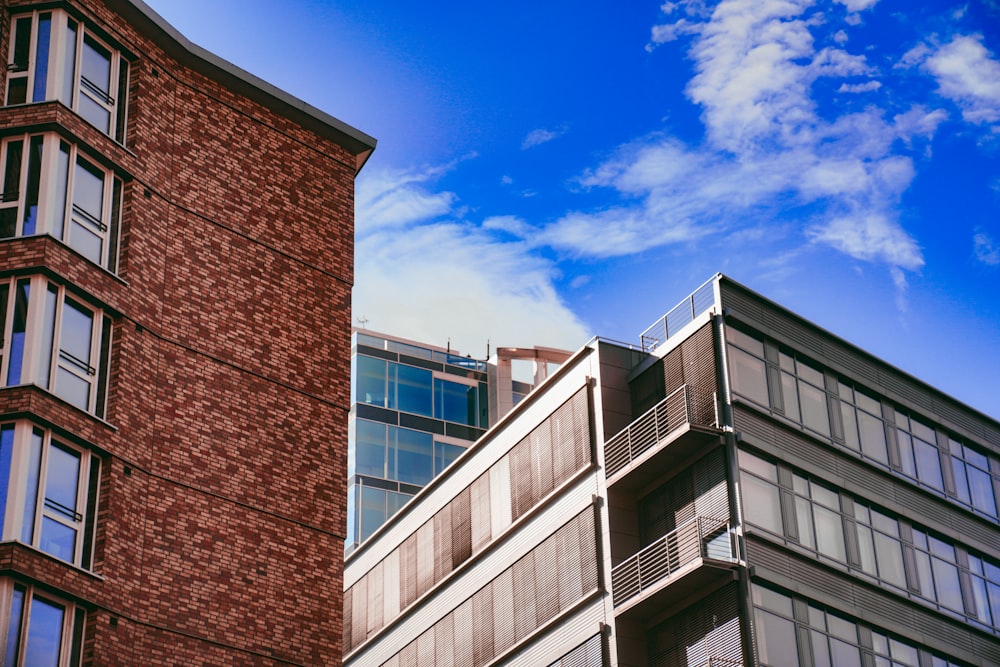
(176, 246)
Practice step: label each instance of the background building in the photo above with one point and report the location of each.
(416, 408)
(740, 488)
(175, 277)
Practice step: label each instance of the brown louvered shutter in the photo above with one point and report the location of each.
(546, 580)
(425, 557)
(588, 550)
(503, 611)
(408, 572)
(408, 656)
(425, 648)
(359, 622)
(699, 373)
(483, 645)
(444, 641)
(348, 619)
(567, 541)
(520, 478)
(480, 499)
(461, 528)
(523, 577)
(541, 459)
(375, 604)
(464, 630)
(442, 543)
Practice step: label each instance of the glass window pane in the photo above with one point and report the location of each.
(29, 224)
(761, 503)
(829, 533)
(370, 448)
(6, 450)
(455, 402)
(414, 390)
(907, 462)
(69, 64)
(803, 517)
(813, 405)
(414, 456)
(928, 464)
(790, 397)
(58, 540)
(72, 388)
(14, 627)
(809, 374)
(15, 358)
(31, 488)
(981, 487)
(850, 426)
(59, 194)
(776, 640)
(872, 437)
(444, 454)
(372, 510)
(748, 343)
(62, 478)
(42, 56)
(370, 381)
(44, 633)
(759, 467)
(77, 331)
(86, 233)
(749, 379)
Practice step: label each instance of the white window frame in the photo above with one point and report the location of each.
(68, 87)
(20, 506)
(73, 624)
(49, 219)
(42, 358)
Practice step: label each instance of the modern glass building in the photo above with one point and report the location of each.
(740, 487)
(415, 409)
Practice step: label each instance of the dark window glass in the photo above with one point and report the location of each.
(414, 390)
(748, 375)
(444, 454)
(42, 57)
(370, 381)
(455, 402)
(44, 633)
(370, 448)
(414, 455)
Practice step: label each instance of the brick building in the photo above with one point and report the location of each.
(176, 261)
(739, 488)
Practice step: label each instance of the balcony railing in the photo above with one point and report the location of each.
(699, 537)
(674, 411)
(686, 311)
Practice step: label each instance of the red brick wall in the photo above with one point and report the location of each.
(222, 510)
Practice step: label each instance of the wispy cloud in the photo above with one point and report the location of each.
(985, 249)
(766, 147)
(423, 271)
(543, 136)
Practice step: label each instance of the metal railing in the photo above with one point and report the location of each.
(677, 409)
(687, 310)
(699, 537)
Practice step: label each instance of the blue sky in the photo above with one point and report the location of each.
(548, 171)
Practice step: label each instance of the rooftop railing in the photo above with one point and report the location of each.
(686, 311)
(698, 537)
(650, 428)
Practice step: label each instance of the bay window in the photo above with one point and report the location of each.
(48, 493)
(53, 56)
(41, 630)
(55, 341)
(50, 187)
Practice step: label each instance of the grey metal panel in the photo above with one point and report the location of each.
(880, 487)
(782, 325)
(880, 608)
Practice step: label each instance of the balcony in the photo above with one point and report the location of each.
(685, 561)
(664, 435)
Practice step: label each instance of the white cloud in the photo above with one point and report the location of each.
(542, 136)
(432, 277)
(865, 87)
(857, 5)
(766, 148)
(397, 198)
(986, 249)
(969, 74)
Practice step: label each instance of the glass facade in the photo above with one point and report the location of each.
(416, 410)
(853, 418)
